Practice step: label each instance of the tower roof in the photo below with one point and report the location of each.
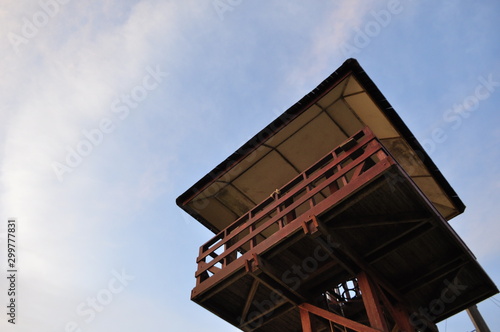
(341, 105)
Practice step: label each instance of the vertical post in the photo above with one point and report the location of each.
(305, 319)
(402, 319)
(477, 319)
(232, 256)
(372, 303)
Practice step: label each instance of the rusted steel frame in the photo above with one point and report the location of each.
(398, 313)
(335, 161)
(290, 208)
(363, 265)
(402, 320)
(372, 302)
(223, 237)
(372, 147)
(331, 252)
(281, 310)
(305, 319)
(230, 279)
(248, 303)
(442, 222)
(287, 297)
(358, 327)
(383, 220)
(241, 261)
(435, 274)
(230, 258)
(269, 271)
(398, 241)
(202, 266)
(294, 226)
(358, 170)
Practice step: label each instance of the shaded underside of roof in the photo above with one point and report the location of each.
(341, 105)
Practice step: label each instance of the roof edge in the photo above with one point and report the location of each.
(350, 66)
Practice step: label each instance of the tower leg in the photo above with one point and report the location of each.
(305, 318)
(477, 319)
(372, 303)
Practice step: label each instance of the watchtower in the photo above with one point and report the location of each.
(333, 218)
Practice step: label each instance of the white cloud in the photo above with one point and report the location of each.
(56, 86)
(324, 54)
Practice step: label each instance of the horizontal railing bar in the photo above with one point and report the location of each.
(368, 135)
(367, 153)
(365, 140)
(295, 225)
(370, 151)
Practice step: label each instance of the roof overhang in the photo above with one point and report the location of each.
(341, 105)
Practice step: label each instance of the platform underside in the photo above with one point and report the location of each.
(386, 228)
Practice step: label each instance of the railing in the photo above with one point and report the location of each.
(329, 176)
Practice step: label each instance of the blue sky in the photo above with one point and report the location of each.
(154, 94)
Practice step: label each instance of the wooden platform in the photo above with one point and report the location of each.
(354, 210)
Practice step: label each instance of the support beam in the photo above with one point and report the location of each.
(398, 313)
(248, 303)
(397, 242)
(372, 302)
(442, 270)
(273, 281)
(350, 324)
(402, 319)
(305, 319)
(337, 256)
(361, 263)
(477, 319)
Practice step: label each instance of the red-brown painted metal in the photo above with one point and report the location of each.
(347, 170)
(301, 211)
(372, 303)
(355, 326)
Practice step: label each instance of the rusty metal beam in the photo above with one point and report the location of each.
(265, 317)
(248, 303)
(305, 319)
(362, 264)
(383, 220)
(274, 282)
(372, 302)
(358, 327)
(335, 254)
(398, 241)
(443, 269)
(398, 313)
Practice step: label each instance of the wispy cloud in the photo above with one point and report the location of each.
(324, 53)
(57, 85)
